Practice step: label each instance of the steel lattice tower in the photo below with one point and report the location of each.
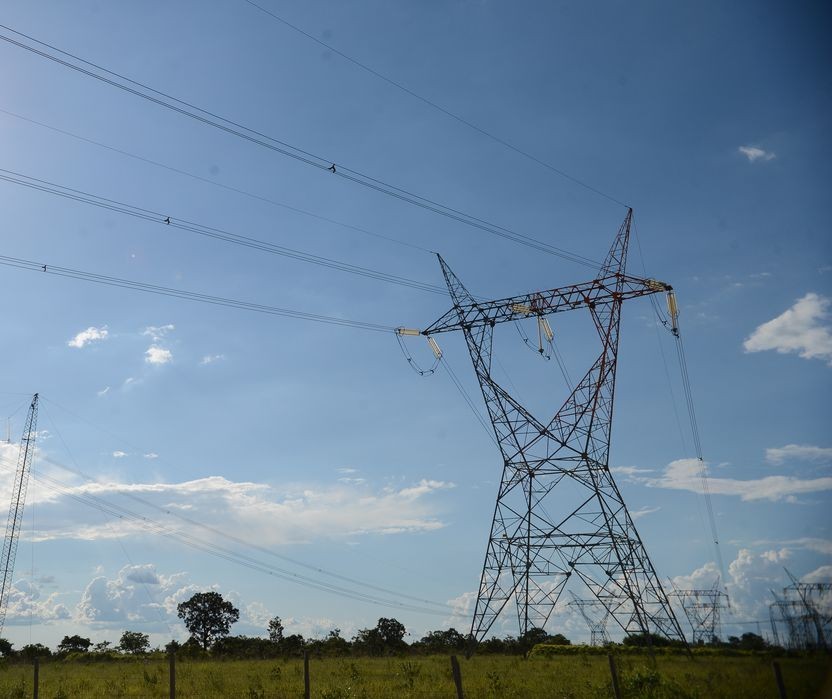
(805, 609)
(702, 609)
(597, 627)
(560, 466)
(21, 481)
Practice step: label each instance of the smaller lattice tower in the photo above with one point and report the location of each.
(21, 481)
(595, 615)
(702, 609)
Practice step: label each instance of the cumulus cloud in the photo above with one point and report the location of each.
(151, 455)
(157, 355)
(685, 474)
(211, 358)
(803, 328)
(822, 574)
(753, 153)
(88, 336)
(752, 575)
(798, 452)
(26, 604)
(138, 594)
(118, 454)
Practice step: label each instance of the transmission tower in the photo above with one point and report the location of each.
(561, 465)
(21, 480)
(805, 610)
(702, 609)
(589, 609)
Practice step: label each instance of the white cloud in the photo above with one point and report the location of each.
(798, 452)
(685, 474)
(138, 594)
(151, 455)
(644, 511)
(157, 332)
(751, 577)
(129, 382)
(157, 355)
(799, 329)
(822, 574)
(753, 153)
(823, 546)
(88, 336)
(118, 454)
(103, 392)
(630, 470)
(211, 358)
(291, 515)
(27, 605)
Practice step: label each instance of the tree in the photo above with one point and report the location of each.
(102, 646)
(35, 650)
(276, 630)
(749, 641)
(5, 647)
(386, 637)
(443, 641)
(207, 616)
(134, 642)
(531, 638)
(74, 644)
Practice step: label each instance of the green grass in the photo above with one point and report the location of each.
(498, 677)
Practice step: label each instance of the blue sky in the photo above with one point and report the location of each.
(317, 442)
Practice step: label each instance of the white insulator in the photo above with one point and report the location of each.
(407, 331)
(546, 328)
(673, 310)
(436, 351)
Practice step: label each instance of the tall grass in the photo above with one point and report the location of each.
(490, 677)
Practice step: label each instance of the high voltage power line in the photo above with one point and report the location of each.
(200, 544)
(259, 138)
(107, 280)
(209, 231)
(444, 110)
(213, 530)
(214, 183)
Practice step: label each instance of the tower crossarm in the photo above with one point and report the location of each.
(598, 292)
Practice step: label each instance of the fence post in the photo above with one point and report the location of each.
(457, 677)
(616, 690)
(306, 691)
(172, 675)
(778, 676)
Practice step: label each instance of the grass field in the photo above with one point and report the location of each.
(483, 676)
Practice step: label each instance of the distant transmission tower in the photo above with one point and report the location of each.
(21, 480)
(595, 615)
(802, 617)
(561, 466)
(702, 609)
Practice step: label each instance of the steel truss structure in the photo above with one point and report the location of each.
(595, 616)
(802, 617)
(702, 609)
(560, 466)
(21, 481)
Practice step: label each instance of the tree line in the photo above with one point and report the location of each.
(208, 618)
